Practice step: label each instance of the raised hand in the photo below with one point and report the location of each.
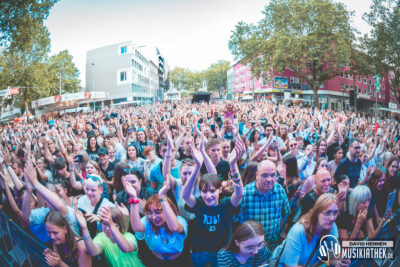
(80, 218)
(124, 210)
(105, 216)
(166, 186)
(198, 158)
(129, 188)
(361, 217)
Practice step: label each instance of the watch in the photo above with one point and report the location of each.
(133, 201)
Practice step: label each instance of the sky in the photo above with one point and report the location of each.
(191, 34)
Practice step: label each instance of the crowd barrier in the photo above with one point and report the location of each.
(17, 247)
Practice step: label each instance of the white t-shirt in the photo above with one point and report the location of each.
(84, 203)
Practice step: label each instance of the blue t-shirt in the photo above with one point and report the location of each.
(38, 228)
(163, 242)
(157, 177)
(298, 250)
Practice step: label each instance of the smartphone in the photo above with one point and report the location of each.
(78, 159)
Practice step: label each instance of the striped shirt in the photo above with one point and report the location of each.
(226, 258)
(267, 209)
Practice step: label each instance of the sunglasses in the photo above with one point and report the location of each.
(94, 178)
(130, 170)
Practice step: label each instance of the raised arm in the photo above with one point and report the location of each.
(235, 176)
(136, 223)
(93, 248)
(172, 221)
(123, 244)
(167, 160)
(187, 194)
(207, 161)
(261, 149)
(52, 198)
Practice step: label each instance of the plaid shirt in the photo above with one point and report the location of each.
(266, 209)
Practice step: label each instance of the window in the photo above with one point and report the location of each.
(122, 76)
(321, 85)
(296, 80)
(351, 76)
(123, 50)
(365, 80)
(342, 75)
(347, 75)
(359, 78)
(343, 86)
(291, 79)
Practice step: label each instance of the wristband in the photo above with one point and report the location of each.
(86, 238)
(133, 201)
(162, 199)
(234, 175)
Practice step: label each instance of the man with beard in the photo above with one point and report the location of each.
(351, 165)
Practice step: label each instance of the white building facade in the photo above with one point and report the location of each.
(124, 72)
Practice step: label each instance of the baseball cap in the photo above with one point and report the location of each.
(103, 151)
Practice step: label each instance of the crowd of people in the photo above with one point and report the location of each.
(222, 184)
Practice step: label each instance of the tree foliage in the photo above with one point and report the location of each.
(383, 42)
(215, 77)
(312, 37)
(15, 14)
(25, 60)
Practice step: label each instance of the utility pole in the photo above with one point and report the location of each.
(94, 102)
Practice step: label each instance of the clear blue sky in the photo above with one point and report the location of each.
(189, 33)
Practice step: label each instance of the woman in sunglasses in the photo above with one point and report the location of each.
(246, 247)
(162, 229)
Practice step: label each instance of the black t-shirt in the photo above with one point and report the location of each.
(351, 169)
(309, 201)
(93, 155)
(212, 226)
(223, 170)
(109, 172)
(183, 156)
(347, 222)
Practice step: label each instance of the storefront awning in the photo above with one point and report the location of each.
(67, 101)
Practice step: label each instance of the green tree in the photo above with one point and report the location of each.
(312, 37)
(215, 75)
(15, 14)
(185, 79)
(383, 42)
(24, 60)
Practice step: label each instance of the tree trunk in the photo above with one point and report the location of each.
(27, 112)
(316, 100)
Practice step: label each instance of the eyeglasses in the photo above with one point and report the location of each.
(130, 170)
(258, 247)
(329, 213)
(154, 213)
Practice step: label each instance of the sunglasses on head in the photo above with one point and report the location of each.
(130, 170)
(94, 178)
